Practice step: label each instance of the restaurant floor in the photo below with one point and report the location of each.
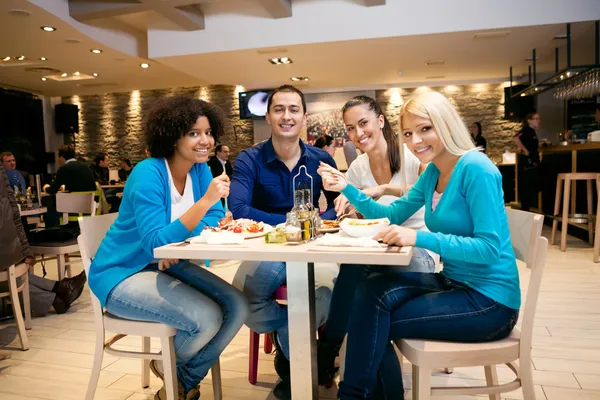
(566, 351)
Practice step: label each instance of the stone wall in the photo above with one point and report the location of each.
(478, 102)
(113, 122)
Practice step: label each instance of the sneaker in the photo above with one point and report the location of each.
(283, 390)
(193, 394)
(326, 354)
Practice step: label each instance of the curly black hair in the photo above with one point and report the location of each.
(172, 117)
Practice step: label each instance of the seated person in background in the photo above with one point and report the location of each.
(125, 169)
(14, 249)
(220, 161)
(350, 152)
(100, 168)
(15, 178)
(74, 175)
(169, 198)
(261, 190)
(325, 142)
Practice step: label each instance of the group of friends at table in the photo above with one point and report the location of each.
(442, 195)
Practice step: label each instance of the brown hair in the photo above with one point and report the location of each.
(525, 123)
(388, 133)
(286, 89)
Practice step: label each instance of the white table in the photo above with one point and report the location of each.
(300, 261)
(33, 211)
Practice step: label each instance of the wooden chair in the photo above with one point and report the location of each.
(66, 203)
(530, 247)
(11, 274)
(93, 231)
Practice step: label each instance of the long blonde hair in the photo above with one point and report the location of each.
(449, 126)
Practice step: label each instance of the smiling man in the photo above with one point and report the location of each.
(262, 190)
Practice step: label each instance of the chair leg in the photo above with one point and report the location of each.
(556, 210)
(421, 378)
(268, 346)
(168, 358)
(14, 298)
(253, 357)
(526, 379)
(60, 263)
(68, 266)
(145, 363)
(565, 215)
(215, 373)
(597, 233)
(449, 370)
(97, 367)
(26, 301)
(590, 211)
(491, 378)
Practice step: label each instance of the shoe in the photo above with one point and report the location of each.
(59, 305)
(326, 354)
(69, 289)
(283, 390)
(193, 394)
(282, 364)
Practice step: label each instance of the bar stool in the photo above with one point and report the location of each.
(583, 221)
(597, 233)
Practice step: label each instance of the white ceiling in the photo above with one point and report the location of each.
(350, 63)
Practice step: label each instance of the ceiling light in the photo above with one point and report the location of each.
(94, 74)
(76, 73)
(48, 28)
(560, 36)
(522, 94)
(19, 13)
(44, 79)
(64, 74)
(431, 63)
(96, 51)
(7, 58)
(43, 59)
(144, 65)
(400, 73)
(21, 58)
(299, 78)
(282, 60)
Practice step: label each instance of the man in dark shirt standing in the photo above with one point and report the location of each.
(220, 162)
(262, 190)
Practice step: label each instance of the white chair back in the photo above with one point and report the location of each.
(529, 246)
(75, 203)
(93, 230)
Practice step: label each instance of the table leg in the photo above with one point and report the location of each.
(301, 321)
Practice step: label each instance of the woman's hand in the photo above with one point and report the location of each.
(333, 180)
(375, 192)
(166, 263)
(218, 188)
(397, 235)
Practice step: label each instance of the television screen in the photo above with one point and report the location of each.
(253, 105)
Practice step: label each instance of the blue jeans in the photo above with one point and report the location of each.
(259, 280)
(207, 312)
(419, 306)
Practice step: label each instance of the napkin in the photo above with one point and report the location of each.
(343, 240)
(222, 237)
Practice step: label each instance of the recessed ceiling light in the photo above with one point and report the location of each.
(282, 60)
(64, 74)
(299, 78)
(94, 74)
(72, 41)
(144, 65)
(76, 73)
(44, 79)
(560, 36)
(43, 59)
(19, 13)
(435, 62)
(48, 28)
(531, 59)
(7, 58)
(96, 51)
(21, 58)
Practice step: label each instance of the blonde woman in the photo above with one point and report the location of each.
(476, 298)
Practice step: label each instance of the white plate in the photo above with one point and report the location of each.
(361, 229)
(266, 229)
(329, 230)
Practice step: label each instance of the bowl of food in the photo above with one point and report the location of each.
(363, 227)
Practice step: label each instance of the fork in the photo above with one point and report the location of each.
(349, 210)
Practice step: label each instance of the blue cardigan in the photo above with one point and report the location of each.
(468, 229)
(144, 223)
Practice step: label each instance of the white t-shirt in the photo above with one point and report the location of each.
(359, 175)
(180, 203)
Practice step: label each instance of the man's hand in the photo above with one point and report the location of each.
(397, 235)
(166, 263)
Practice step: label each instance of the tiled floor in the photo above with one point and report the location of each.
(566, 352)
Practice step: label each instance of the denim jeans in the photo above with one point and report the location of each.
(259, 280)
(419, 306)
(207, 312)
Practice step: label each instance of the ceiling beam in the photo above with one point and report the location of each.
(189, 17)
(372, 3)
(98, 9)
(278, 8)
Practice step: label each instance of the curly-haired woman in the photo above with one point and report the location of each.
(168, 198)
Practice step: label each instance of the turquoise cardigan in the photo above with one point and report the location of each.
(468, 229)
(144, 223)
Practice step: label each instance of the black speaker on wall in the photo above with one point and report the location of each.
(66, 118)
(516, 108)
